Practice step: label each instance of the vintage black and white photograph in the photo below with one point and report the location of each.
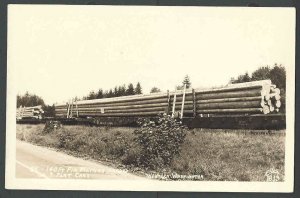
(150, 98)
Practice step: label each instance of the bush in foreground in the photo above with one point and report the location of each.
(160, 141)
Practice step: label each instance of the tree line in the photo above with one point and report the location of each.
(117, 91)
(128, 90)
(277, 74)
(30, 100)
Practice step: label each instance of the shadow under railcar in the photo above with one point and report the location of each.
(255, 122)
(259, 122)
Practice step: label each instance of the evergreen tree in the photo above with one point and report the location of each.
(186, 81)
(278, 76)
(138, 88)
(19, 98)
(100, 94)
(92, 95)
(243, 78)
(105, 94)
(116, 92)
(120, 91)
(110, 94)
(123, 90)
(130, 89)
(154, 90)
(261, 73)
(29, 100)
(247, 77)
(49, 111)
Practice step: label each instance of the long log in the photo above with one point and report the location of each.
(239, 99)
(228, 105)
(27, 114)
(123, 107)
(161, 105)
(179, 94)
(178, 107)
(241, 110)
(125, 110)
(118, 112)
(231, 87)
(34, 107)
(185, 111)
(254, 94)
(121, 99)
(26, 109)
(185, 103)
(237, 94)
(154, 113)
(252, 83)
(150, 101)
(231, 105)
(228, 89)
(221, 105)
(179, 98)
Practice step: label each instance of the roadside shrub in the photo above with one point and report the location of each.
(65, 139)
(51, 126)
(132, 154)
(159, 140)
(116, 145)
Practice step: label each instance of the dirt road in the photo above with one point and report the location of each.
(39, 162)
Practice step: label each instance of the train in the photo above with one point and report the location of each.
(251, 105)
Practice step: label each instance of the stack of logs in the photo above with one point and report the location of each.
(29, 112)
(137, 105)
(255, 97)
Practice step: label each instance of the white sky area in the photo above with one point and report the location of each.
(60, 52)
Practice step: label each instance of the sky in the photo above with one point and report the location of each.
(59, 52)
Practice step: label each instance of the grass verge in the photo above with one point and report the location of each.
(216, 155)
